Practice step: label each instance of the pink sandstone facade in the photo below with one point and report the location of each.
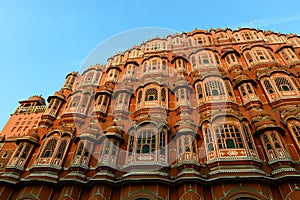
(211, 115)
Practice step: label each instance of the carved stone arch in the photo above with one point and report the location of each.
(241, 192)
(205, 49)
(191, 194)
(56, 132)
(251, 46)
(143, 194)
(228, 50)
(175, 57)
(284, 46)
(234, 116)
(147, 122)
(130, 62)
(243, 78)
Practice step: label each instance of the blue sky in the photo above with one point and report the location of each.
(42, 41)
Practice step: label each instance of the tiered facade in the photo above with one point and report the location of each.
(200, 115)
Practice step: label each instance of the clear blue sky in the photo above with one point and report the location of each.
(42, 41)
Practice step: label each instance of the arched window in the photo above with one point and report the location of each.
(19, 149)
(49, 149)
(231, 59)
(89, 77)
(186, 145)
(75, 102)
(163, 94)
(199, 90)
(267, 142)
(140, 94)
(209, 140)
(146, 142)
(296, 131)
(151, 94)
(248, 137)
(283, 84)
(25, 152)
(179, 64)
(102, 102)
(214, 88)
(162, 142)
(84, 103)
(228, 136)
(228, 88)
(296, 83)
(131, 143)
(80, 149)
(269, 87)
(61, 149)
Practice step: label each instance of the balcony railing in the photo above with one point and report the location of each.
(30, 109)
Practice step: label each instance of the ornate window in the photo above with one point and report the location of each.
(228, 136)
(182, 96)
(209, 140)
(229, 89)
(231, 59)
(162, 142)
(155, 45)
(53, 107)
(199, 91)
(122, 101)
(268, 87)
(134, 53)
(130, 71)
(273, 145)
(140, 95)
(214, 88)
(70, 80)
(222, 36)
(163, 94)
(248, 93)
(295, 40)
(248, 137)
(146, 142)
(283, 84)
(294, 127)
(296, 131)
(84, 104)
(73, 103)
(20, 156)
(54, 151)
(61, 150)
(88, 78)
(49, 149)
(112, 75)
(177, 41)
(154, 65)
(204, 59)
(288, 55)
(151, 94)
(296, 83)
(102, 102)
(109, 152)
(280, 85)
(258, 55)
(186, 145)
(180, 64)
